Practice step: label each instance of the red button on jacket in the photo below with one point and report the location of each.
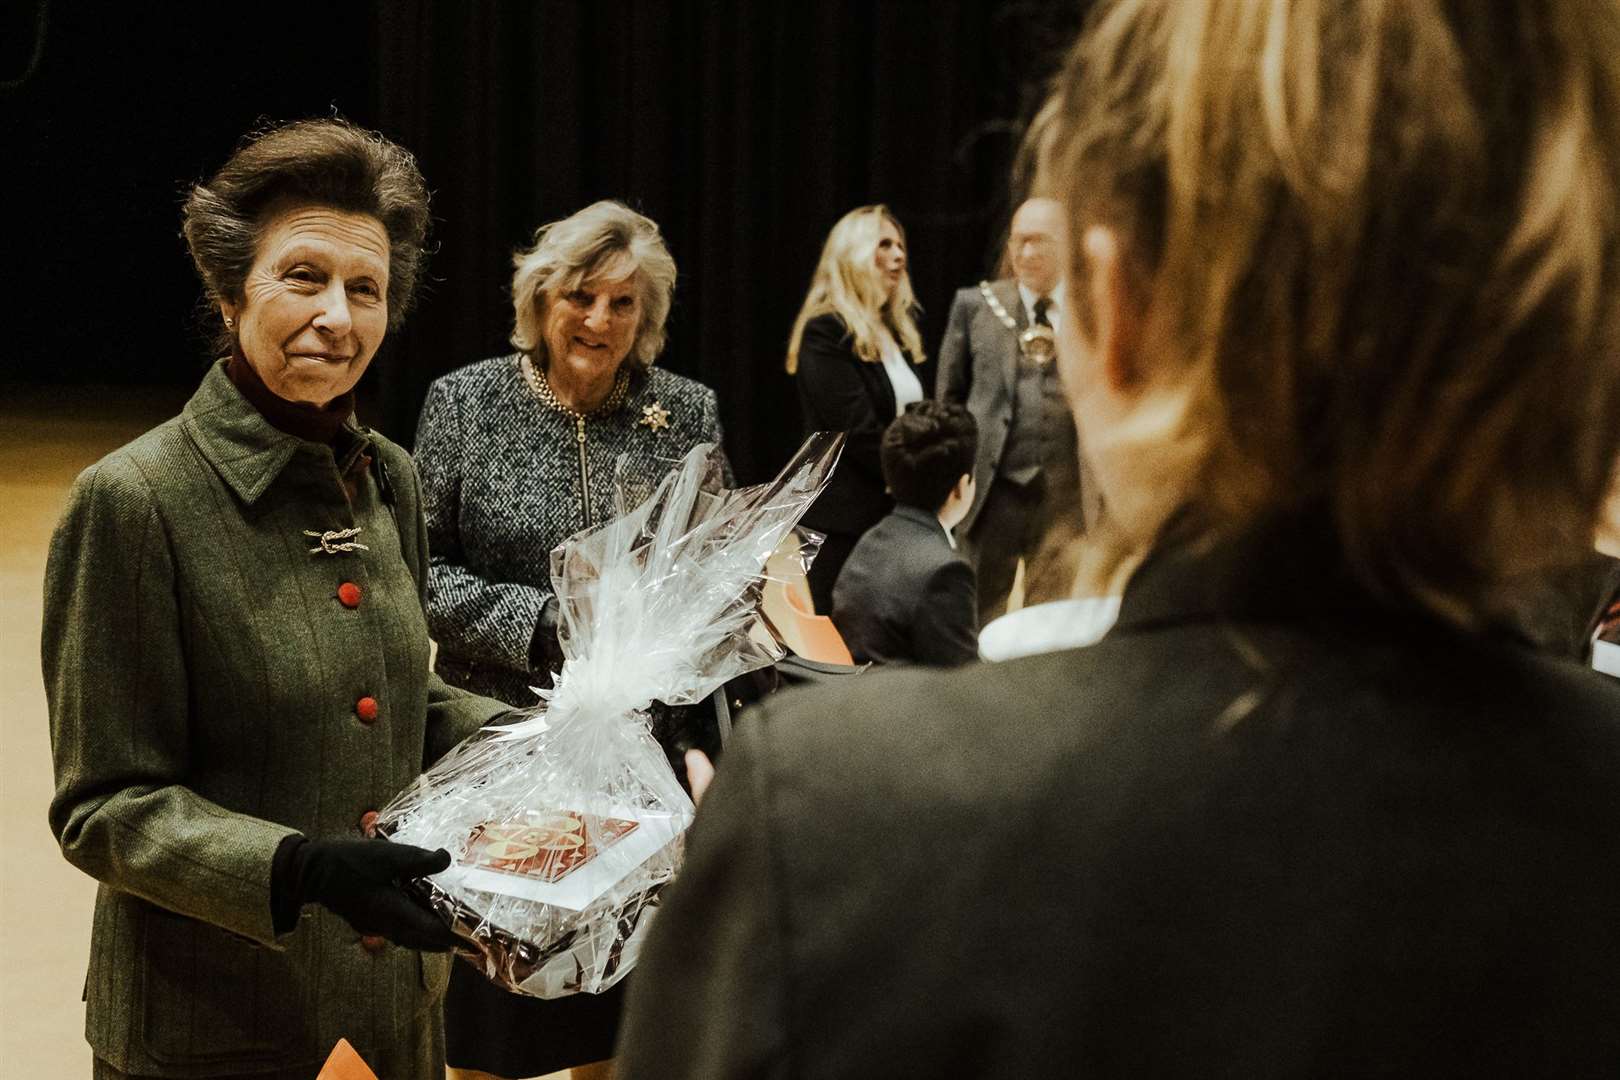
(373, 943)
(349, 594)
(366, 709)
(368, 824)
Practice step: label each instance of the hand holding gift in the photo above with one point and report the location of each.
(699, 774)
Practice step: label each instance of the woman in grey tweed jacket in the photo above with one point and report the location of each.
(517, 453)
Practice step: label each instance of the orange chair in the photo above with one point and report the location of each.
(345, 1064)
(791, 613)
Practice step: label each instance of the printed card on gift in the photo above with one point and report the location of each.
(547, 850)
(562, 857)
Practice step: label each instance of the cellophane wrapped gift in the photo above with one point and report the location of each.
(565, 823)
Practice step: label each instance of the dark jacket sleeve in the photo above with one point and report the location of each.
(955, 364)
(836, 397)
(708, 1002)
(452, 715)
(471, 618)
(945, 630)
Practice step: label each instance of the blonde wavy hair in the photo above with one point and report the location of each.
(1376, 243)
(605, 240)
(847, 283)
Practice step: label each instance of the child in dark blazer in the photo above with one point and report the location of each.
(906, 594)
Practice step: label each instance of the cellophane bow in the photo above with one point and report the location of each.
(565, 823)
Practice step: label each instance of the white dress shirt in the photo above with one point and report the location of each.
(1029, 296)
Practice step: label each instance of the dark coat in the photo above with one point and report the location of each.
(204, 680)
(905, 595)
(1264, 828)
(838, 391)
(502, 484)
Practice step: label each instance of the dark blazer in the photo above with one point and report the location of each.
(1263, 828)
(205, 672)
(905, 596)
(838, 391)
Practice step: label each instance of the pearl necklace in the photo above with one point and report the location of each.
(548, 397)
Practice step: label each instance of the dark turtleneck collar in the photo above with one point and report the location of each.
(1286, 566)
(313, 423)
(1289, 567)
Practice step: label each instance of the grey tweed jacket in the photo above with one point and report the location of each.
(205, 675)
(503, 485)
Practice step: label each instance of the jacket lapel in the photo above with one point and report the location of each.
(1006, 291)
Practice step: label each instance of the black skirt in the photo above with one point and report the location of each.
(511, 1035)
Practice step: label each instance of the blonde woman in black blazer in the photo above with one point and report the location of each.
(855, 351)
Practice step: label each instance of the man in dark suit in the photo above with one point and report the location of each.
(906, 594)
(996, 359)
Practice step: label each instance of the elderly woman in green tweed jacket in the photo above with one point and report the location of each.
(237, 660)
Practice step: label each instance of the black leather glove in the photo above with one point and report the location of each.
(545, 651)
(359, 880)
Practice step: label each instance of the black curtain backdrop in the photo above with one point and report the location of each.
(108, 112)
(744, 129)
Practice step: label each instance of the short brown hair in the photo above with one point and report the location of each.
(329, 163)
(1381, 241)
(926, 451)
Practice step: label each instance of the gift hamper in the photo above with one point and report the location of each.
(565, 821)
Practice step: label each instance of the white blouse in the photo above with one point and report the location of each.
(907, 387)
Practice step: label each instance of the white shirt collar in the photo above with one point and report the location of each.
(1029, 296)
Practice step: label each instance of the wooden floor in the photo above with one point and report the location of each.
(46, 438)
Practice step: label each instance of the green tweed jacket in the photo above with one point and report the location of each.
(214, 685)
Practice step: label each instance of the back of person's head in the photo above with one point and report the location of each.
(926, 450)
(1374, 246)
